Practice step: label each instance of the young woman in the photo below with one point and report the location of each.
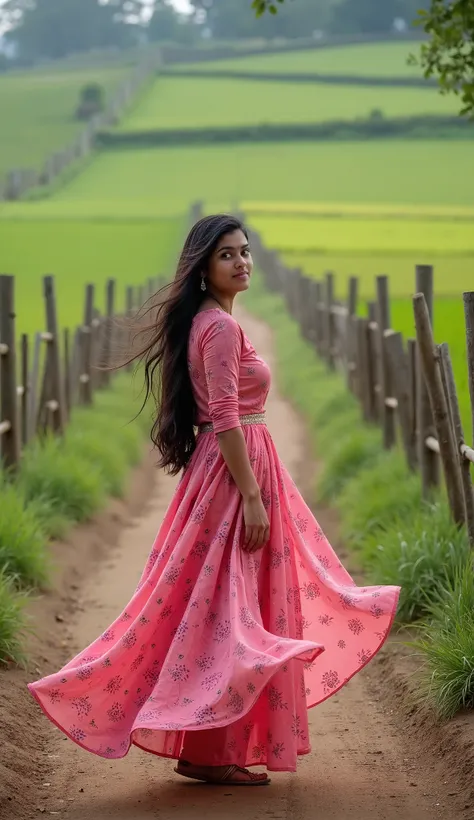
(244, 616)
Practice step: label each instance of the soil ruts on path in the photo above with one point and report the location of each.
(362, 766)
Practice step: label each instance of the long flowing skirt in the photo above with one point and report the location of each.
(220, 653)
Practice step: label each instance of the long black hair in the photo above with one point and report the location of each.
(165, 356)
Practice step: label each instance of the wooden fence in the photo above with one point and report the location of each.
(43, 378)
(407, 389)
(19, 181)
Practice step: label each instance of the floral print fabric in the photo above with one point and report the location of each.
(219, 653)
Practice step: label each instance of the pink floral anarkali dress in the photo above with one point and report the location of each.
(220, 653)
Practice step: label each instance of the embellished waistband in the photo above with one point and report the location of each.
(251, 418)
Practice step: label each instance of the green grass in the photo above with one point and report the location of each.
(78, 252)
(423, 554)
(13, 626)
(151, 182)
(184, 102)
(447, 647)
(377, 60)
(378, 497)
(71, 484)
(23, 552)
(38, 111)
(351, 452)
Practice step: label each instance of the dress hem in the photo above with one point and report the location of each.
(318, 650)
(363, 665)
(220, 724)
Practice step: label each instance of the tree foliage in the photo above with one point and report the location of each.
(55, 28)
(299, 18)
(449, 52)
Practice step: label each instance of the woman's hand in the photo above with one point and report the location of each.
(234, 451)
(257, 526)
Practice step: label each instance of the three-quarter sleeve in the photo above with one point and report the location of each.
(221, 349)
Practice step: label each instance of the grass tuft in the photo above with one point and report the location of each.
(447, 646)
(12, 621)
(23, 547)
(71, 486)
(378, 496)
(423, 554)
(357, 450)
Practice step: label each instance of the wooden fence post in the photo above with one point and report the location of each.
(75, 366)
(312, 312)
(108, 330)
(432, 372)
(319, 321)
(129, 314)
(25, 378)
(33, 397)
(398, 362)
(129, 300)
(305, 305)
(295, 295)
(387, 412)
(141, 297)
(85, 376)
(464, 463)
(468, 299)
(329, 323)
(363, 365)
(428, 460)
(350, 340)
(412, 389)
(53, 355)
(67, 372)
(9, 432)
(374, 351)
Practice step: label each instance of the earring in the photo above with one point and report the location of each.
(203, 284)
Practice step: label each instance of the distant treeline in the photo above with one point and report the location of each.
(375, 126)
(288, 77)
(53, 29)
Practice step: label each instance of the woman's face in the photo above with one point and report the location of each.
(230, 266)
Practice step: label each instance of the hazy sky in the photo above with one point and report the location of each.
(181, 5)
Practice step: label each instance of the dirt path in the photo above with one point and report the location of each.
(359, 767)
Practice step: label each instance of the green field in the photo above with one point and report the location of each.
(453, 274)
(362, 236)
(78, 252)
(377, 60)
(182, 102)
(37, 111)
(359, 208)
(149, 182)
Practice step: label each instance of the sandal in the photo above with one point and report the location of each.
(224, 778)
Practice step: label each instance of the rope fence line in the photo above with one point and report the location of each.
(60, 370)
(407, 387)
(19, 182)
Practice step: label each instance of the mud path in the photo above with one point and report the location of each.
(359, 768)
